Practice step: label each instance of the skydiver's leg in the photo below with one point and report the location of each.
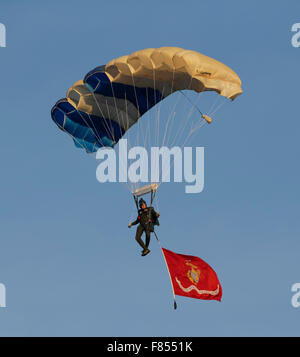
(147, 233)
(139, 232)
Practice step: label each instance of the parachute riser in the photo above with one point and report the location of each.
(136, 199)
(152, 188)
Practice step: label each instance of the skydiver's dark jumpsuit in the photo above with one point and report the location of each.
(147, 218)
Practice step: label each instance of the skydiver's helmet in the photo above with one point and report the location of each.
(142, 202)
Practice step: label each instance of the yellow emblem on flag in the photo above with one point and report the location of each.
(193, 273)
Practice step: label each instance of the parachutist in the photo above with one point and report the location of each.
(147, 219)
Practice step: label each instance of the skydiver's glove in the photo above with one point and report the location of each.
(157, 214)
(129, 225)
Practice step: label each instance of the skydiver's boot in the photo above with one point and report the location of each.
(145, 252)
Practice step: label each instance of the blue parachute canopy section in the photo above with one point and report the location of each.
(113, 109)
(88, 131)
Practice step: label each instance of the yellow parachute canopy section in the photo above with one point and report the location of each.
(182, 69)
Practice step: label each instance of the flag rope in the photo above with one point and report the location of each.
(158, 241)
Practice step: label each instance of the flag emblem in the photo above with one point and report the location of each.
(193, 273)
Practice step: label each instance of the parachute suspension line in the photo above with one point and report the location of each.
(158, 116)
(169, 126)
(148, 129)
(170, 115)
(112, 89)
(105, 122)
(211, 113)
(107, 126)
(127, 122)
(191, 102)
(133, 212)
(191, 132)
(156, 113)
(112, 131)
(194, 130)
(204, 116)
(174, 297)
(136, 201)
(150, 122)
(134, 184)
(171, 119)
(217, 104)
(180, 129)
(217, 108)
(156, 125)
(170, 92)
(197, 127)
(155, 202)
(156, 130)
(129, 184)
(213, 105)
(140, 138)
(185, 123)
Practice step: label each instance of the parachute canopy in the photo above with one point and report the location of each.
(99, 109)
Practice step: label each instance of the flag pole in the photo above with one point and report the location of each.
(175, 303)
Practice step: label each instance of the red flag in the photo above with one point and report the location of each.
(192, 276)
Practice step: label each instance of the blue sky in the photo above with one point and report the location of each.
(69, 263)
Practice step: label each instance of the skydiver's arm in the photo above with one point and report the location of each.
(136, 221)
